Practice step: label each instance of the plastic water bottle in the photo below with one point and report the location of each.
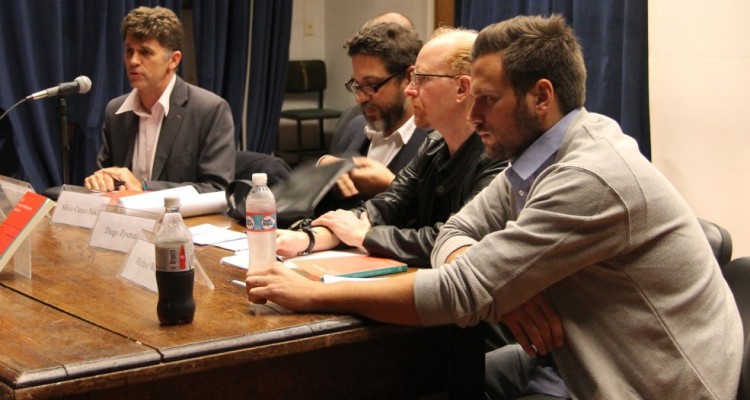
(260, 209)
(174, 267)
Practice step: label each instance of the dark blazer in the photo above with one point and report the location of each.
(407, 217)
(354, 141)
(196, 142)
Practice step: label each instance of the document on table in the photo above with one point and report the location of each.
(218, 236)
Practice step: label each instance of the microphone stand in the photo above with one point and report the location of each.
(62, 112)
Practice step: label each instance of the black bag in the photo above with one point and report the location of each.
(296, 197)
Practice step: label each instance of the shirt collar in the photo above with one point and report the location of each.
(404, 132)
(132, 102)
(543, 148)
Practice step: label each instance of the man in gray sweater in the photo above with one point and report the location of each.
(581, 216)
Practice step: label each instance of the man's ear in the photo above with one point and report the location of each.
(544, 92)
(174, 59)
(464, 86)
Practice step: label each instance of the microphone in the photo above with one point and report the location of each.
(82, 84)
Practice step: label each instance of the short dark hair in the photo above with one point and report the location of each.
(154, 23)
(395, 45)
(533, 48)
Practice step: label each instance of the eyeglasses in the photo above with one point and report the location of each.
(417, 79)
(354, 87)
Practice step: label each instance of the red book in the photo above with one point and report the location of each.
(27, 214)
(354, 266)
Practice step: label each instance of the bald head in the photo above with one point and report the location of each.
(393, 17)
(453, 45)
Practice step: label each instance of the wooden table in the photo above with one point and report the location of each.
(77, 330)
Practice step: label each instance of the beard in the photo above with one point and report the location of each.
(390, 115)
(529, 129)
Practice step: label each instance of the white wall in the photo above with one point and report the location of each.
(332, 23)
(699, 72)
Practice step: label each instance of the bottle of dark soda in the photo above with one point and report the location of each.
(174, 267)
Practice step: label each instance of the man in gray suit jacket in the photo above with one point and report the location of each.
(166, 132)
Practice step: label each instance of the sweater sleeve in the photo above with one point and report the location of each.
(572, 220)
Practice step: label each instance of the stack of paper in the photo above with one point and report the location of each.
(192, 203)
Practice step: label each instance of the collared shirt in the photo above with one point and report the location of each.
(149, 127)
(384, 149)
(540, 155)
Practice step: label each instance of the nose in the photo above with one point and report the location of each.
(132, 59)
(474, 116)
(360, 97)
(411, 90)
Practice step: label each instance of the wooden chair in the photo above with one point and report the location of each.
(308, 76)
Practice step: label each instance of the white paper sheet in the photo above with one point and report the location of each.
(192, 203)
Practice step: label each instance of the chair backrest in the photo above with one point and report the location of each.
(249, 162)
(338, 130)
(306, 76)
(719, 239)
(737, 275)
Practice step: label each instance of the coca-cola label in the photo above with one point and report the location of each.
(261, 222)
(173, 257)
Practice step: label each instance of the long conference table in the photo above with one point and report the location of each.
(76, 330)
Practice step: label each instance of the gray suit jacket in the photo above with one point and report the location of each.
(196, 142)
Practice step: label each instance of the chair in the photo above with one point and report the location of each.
(737, 275)
(338, 131)
(308, 76)
(719, 239)
(249, 162)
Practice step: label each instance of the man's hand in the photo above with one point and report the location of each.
(345, 187)
(346, 226)
(370, 177)
(104, 180)
(282, 286)
(536, 326)
(290, 243)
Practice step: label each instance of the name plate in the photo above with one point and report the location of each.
(140, 266)
(78, 209)
(114, 231)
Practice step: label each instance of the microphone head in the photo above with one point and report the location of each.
(84, 84)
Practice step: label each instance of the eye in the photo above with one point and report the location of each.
(484, 100)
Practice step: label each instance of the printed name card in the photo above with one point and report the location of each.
(78, 209)
(114, 231)
(140, 266)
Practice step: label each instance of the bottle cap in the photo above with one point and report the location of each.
(260, 178)
(171, 201)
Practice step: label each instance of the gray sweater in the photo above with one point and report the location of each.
(646, 312)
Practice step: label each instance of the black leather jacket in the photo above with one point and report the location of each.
(406, 218)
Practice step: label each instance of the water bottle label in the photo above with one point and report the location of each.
(261, 222)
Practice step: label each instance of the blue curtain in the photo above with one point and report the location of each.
(614, 36)
(43, 43)
(221, 43)
(271, 32)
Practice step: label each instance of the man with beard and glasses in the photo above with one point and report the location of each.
(381, 55)
(581, 216)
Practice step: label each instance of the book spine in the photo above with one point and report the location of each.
(377, 272)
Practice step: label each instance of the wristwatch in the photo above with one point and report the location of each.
(304, 226)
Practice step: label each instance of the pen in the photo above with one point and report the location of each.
(237, 283)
